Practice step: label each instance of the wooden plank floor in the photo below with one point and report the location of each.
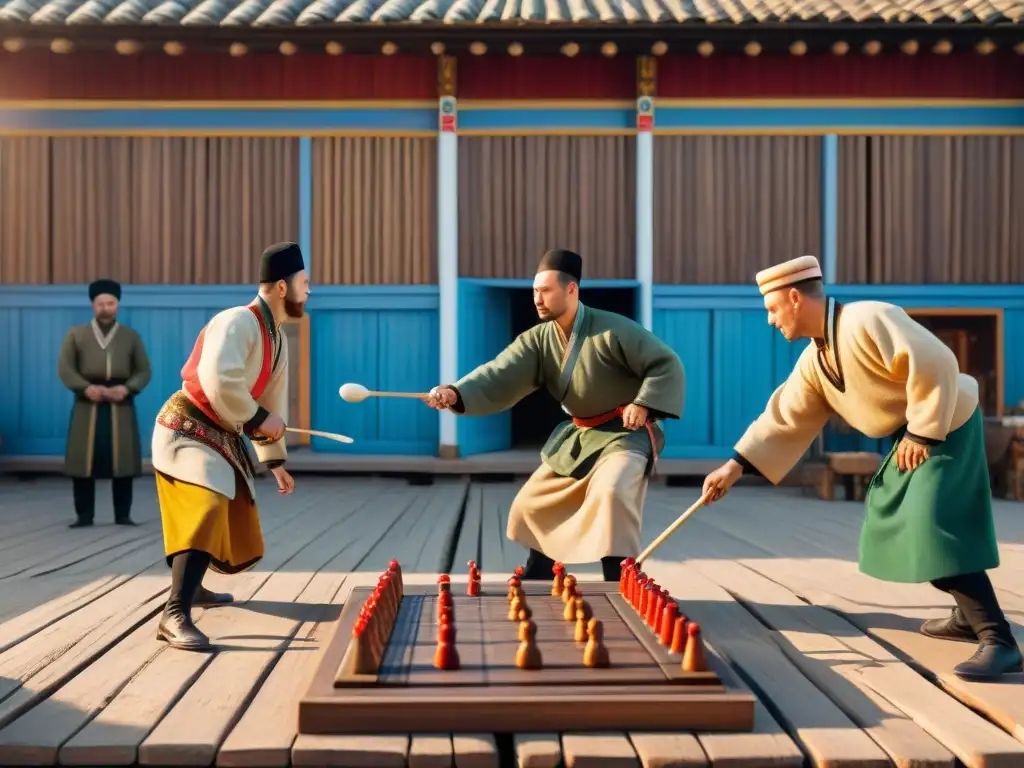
(842, 676)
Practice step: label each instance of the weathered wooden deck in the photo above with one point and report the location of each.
(843, 677)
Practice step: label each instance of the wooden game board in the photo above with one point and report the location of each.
(643, 688)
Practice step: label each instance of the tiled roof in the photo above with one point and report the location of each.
(285, 13)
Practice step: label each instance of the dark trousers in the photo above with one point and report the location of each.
(84, 490)
(978, 604)
(539, 567)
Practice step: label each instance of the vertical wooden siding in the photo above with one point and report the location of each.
(931, 209)
(728, 206)
(145, 210)
(521, 195)
(25, 236)
(374, 210)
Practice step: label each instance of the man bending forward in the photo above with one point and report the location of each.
(615, 379)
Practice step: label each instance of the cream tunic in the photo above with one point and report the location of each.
(878, 369)
(230, 363)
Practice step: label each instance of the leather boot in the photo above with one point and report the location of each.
(953, 627)
(177, 630)
(204, 597)
(994, 658)
(538, 567)
(176, 627)
(611, 568)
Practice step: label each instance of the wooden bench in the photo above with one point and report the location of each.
(855, 468)
(1015, 472)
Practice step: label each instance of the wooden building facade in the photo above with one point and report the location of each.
(424, 164)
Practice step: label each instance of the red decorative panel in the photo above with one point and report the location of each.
(201, 76)
(555, 77)
(896, 75)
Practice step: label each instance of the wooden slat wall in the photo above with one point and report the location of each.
(374, 210)
(931, 209)
(25, 237)
(521, 195)
(145, 210)
(728, 206)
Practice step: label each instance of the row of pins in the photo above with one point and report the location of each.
(374, 624)
(660, 613)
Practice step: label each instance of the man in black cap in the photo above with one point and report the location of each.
(104, 364)
(234, 383)
(615, 379)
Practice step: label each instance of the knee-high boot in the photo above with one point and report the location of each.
(538, 567)
(176, 627)
(611, 568)
(978, 617)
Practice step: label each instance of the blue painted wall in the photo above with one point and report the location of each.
(485, 328)
(385, 338)
(734, 359)
(382, 337)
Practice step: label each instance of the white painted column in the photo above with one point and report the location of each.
(448, 261)
(645, 190)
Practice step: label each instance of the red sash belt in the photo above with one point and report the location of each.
(604, 418)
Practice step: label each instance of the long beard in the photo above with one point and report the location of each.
(294, 309)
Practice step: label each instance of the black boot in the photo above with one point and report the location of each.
(976, 601)
(205, 597)
(83, 490)
(122, 488)
(539, 567)
(993, 659)
(611, 568)
(176, 627)
(953, 627)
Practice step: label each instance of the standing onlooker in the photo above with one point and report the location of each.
(105, 364)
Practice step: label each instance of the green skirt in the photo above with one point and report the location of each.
(935, 521)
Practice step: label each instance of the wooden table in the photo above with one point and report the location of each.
(841, 676)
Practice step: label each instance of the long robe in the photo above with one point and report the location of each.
(584, 502)
(236, 375)
(103, 438)
(886, 375)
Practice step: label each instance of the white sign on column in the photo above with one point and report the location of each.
(448, 261)
(645, 209)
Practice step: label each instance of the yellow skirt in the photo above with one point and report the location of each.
(194, 517)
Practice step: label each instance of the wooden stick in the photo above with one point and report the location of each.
(671, 529)
(417, 395)
(316, 433)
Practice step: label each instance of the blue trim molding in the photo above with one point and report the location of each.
(840, 118)
(327, 297)
(909, 296)
(508, 118)
(514, 120)
(248, 121)
(512, 282)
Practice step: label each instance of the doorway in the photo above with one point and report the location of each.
(536, 415)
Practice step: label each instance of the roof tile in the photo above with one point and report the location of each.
(286, 13)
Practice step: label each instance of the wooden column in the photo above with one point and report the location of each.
(448, 244)
(646, 86)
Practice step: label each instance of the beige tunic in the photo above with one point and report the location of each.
(232, 356)
(586, 500)
(879, 370)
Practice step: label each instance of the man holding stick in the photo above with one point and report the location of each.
(234, 383)
(615, 379)
(929, 505)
